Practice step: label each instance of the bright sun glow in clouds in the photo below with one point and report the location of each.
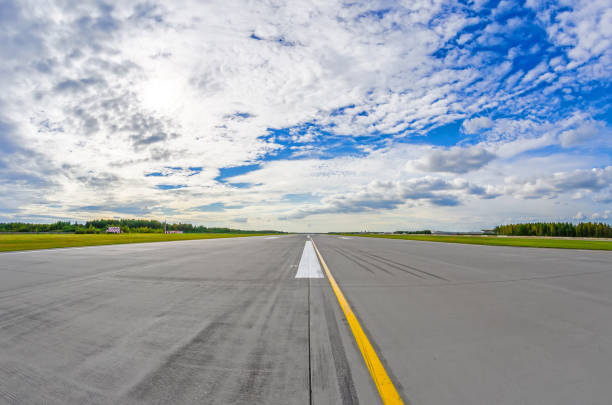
(305, 115)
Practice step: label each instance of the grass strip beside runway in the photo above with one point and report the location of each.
(569, 243)
(13, 242)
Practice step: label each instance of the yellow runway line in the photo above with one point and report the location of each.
(386, 389)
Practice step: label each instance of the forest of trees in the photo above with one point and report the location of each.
(126, 225)
(584, 229)
(25, 227)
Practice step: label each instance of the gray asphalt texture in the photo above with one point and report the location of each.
(225, 322)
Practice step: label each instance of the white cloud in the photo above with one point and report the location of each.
(579, 216)
(584, 26)
(475, 125)
(95, 98)
(455, 160)
(593, 180)
(583, 133)
(386, 195)
(603, 216)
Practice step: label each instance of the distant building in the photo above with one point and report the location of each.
(174, 231)
(113, 229)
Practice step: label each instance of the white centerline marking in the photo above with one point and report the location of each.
(344, 237)
(309, 266)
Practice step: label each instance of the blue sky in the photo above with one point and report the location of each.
(305, 115)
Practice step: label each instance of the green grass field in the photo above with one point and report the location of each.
(569, 243)
(12, 242)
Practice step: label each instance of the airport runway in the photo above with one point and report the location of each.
(227, 321)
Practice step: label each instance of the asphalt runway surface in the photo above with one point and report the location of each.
(226, 321)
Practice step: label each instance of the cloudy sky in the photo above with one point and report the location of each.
(307, 115)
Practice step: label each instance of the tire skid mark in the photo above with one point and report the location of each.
(253, 387)
(343, 371)
(201, 280)
(233, 358)
(385, 386)
(387, 264)
(70, 280)
(391, 263)
(262, 377)
(11, 317)
(354, 261)
(171, 376)
(28, 381)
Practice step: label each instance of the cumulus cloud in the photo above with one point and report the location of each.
(381, 195)
(327, 97)
(139, 208)
(601, 216)
(510, 137)
(549, 186)
(583, 133)
(455, 160)
(99, 181)
(583, 27)
(26, 176)
(475, 125)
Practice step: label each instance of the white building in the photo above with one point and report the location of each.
(113, 229)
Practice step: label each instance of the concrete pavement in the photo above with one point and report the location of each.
(217, 321)
(227, 322)
(467, 324)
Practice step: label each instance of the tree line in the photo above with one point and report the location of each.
(583, 229)
(126, 225)
(59, 226)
